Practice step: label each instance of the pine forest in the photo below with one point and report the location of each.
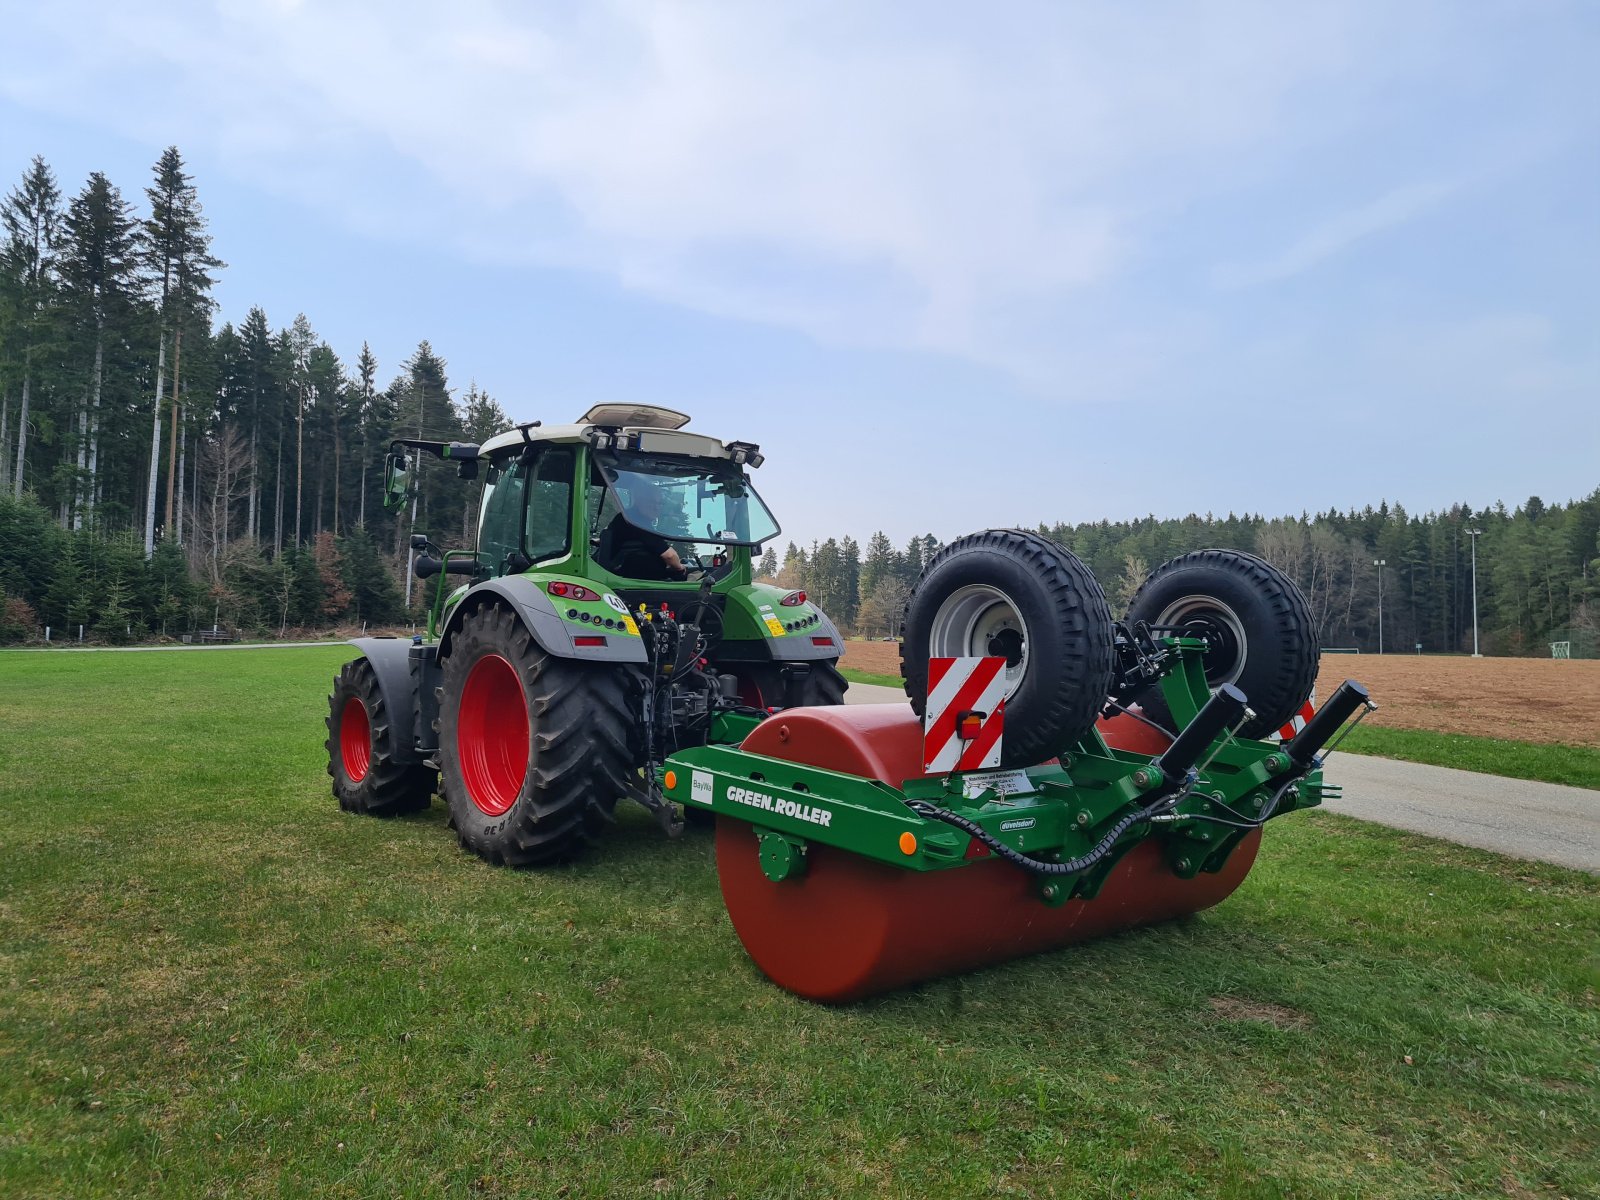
(165, 468)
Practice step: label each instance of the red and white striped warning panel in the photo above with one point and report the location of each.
(965, 715)
(1298, 721)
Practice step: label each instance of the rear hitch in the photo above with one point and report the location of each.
(648, 796)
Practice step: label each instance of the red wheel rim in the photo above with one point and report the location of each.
(355, 739)
(492, 735)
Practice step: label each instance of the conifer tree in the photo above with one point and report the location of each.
(878, 565)
(98, 285)
(31, 219)
(256, 374)
(178, 251)
(366, 375)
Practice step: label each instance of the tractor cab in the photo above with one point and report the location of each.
(661, 517)
(635, 503)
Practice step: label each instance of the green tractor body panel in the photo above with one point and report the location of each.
(559, 516)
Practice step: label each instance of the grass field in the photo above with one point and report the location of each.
(877, 678)
(214, 983)
(1577, 766)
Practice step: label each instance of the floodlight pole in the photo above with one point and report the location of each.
(1380, 563)
(1474, 534)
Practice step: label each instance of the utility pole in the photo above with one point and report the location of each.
(1380, 563)
(1474, 534)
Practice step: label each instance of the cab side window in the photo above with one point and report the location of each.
(500, 536)
(550, 503)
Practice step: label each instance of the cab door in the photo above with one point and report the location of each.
(528, 517)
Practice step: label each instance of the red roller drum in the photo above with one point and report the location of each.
(850, 927)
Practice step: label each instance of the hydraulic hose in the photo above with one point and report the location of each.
(1039, 866)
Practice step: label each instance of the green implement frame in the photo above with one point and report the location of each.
(1057, 813)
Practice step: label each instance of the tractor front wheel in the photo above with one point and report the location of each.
(534, 750)
(366, 778)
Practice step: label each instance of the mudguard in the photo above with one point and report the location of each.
(748, 639)
(391, 661)
(526, 597)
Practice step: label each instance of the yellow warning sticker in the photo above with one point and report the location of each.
(774, 627)
(627, 623)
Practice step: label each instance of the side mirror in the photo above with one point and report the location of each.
(399, 485)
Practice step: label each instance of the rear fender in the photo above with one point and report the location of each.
(750, 638)
(525, 596)
(391, 661)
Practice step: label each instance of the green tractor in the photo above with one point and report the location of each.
(607, 616)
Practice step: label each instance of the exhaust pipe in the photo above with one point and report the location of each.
(1327, 721)
(1224, 710)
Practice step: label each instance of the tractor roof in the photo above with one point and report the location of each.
(660, 431)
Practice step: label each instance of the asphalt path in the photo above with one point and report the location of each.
(1541, 821)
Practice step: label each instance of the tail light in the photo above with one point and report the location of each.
(793, 599)
(571, 591)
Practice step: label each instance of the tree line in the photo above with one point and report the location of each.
(1538, 571)
(167, 471)
(160, 473)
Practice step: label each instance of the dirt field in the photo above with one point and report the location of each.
(1527, 699)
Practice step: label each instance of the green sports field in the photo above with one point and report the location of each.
(213, 983)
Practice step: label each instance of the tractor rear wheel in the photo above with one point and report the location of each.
(366, 778)
(534, 750)
(1012, 594)
(1258, 629)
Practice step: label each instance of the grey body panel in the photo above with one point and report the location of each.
(402, 678)
(785, 649)
(553, 633)
(803, 649)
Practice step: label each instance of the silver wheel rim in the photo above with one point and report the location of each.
(1213, 612)
(973, 619)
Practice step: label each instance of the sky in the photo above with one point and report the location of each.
(953, 266)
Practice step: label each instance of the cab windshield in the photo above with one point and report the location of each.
(702, 500)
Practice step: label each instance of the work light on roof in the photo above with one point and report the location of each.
(745, 454)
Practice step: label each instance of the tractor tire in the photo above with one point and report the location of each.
(1015, 594)
(534, 750)
(1262, 638)
(366, 778)
(771, 685)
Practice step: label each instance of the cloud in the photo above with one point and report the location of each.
(1339, 233)
(944, 183)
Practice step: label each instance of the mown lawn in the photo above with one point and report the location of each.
(214, 983)
(1577, 766)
